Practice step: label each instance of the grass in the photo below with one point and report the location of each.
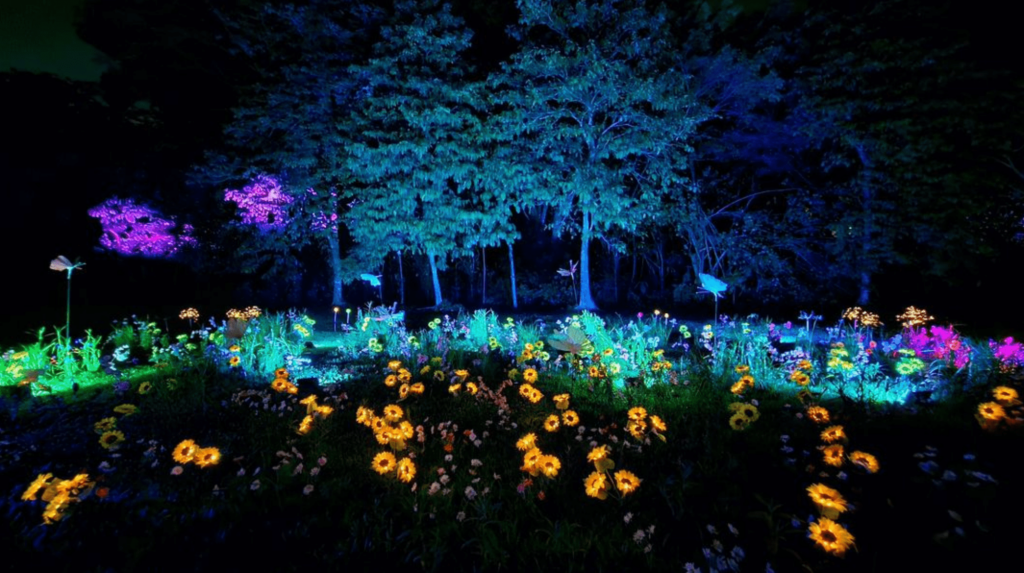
(292, 484)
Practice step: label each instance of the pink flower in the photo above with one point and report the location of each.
(176, 470)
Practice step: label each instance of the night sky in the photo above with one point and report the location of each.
(39, 36)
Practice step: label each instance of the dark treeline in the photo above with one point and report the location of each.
(810, 154)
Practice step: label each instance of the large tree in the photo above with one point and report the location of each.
(417, 156)
(597, 108)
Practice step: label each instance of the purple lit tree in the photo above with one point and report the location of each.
(133, 229)
(262, 203)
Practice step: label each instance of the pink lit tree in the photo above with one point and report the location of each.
(134, 229)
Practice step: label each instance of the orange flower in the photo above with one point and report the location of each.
(833, 434)
(833, 455)
(818, 414)
(626, 481)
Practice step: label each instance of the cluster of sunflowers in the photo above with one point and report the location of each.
(533, 351)
(459, 383)
(527, 389)
(110, 436)
(839, 358)
(188, 451)
(801, 374)
(535, 461)
(313, 411)
(59, 493)
(601, 480)
(1006, 411)
(402, 378)
(829, 535)
(746, 381)
(742, 415)
(393, 436)
(247, 314)
(638, 423)
(281, 382)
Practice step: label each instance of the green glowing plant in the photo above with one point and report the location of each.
(61, 263)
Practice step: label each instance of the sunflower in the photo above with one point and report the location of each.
(425, 370)
(393, 412)
(305, 425)
(638, 413)
(596, 485)
(636, 428)
(403, 391)
(738, 388)
(110, 440)
(390, 380)
(206, 457)
(39, 483)
(364, 415)
(279, 384)
(551, 424)
(384, 462)
(742, 369)
(527, 442)
(626, 481)
(833, 455)
(234, 361)
(804, 365)
(404, 376)
(145, 387)
(594, 372)
(126, 409)
(530, 376)
(833, 434)
(748, 381)
(461, 374)
(416, 388)
(800, 378)
(739, 422)
(750, 411)
(394, 365)
(281, 373)
(525, 390)
(1004, 394)
(528, 347)
(454, 388)
(864, 460)
(185, 451)
(818, 415)
(549, 465)
(378, 424)
(991, 411)
(105, 425)
(472, 388)
(406, 470)
(531, 460)
(829, 501)
(831, 536)
(234, 348)
(561, 401)
(570, 418)
(439, 376)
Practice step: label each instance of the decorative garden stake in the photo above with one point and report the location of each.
(571, 273)
(714, 286)
(61, 263)
(336, 310)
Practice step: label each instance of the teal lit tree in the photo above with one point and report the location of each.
(595, 105)
(416, 158)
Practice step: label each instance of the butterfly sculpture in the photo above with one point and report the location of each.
(573, 341)
(374, 280)
(714, 286)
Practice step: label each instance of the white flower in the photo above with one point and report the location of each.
(308, 489)
(255, 485)
(445, 479)
(314, 471)
(434, 488)
(733, 530)
(475, 463)
(241, 472)
(717, 546)
(460, 516)
(638, 536)
(470, 493)
(627, 518)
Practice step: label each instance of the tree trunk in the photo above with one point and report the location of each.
(483, 262)
(337, 298)
(437, 283)
(616, 257)
(586, 300)
(512, 267)
(867, 229)
(401, 280)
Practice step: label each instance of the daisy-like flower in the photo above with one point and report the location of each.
(531, 460)
(549, 465)
(658, 424)
(404, 375)
(110, 440)
(125, 409)
(750, 411)
(831, 536)
(439, 376)
(206, 457)
(864, 460)
(561, 401)
(739, 422)
(596, 485)
(748, 381)
(454, 388)
(626, 481)
(145, 387)
(594, 372)
(105, 425)
(800, 378)
(833, 455)
(425, 370)
(525, 390)
(416, 388)
(597, 454)
(818, 415)
(742, 369)
(530, 376)
(235, 361)
(461, 374)
(364, 415)
(472, 388)
(384, 462)
(406, 470)
(738, 388)
(535, 396)
(234, 348)
(390, 380)
(636, 428)
(1004, 394)
(829, 501)
(281, 373)
(638, 413)
(393, 413)
(570, 418)
(403, 391)
(527, 442)
(406, 429)
(551, 424)
(991, 411)
(394, 365)
(41, 481)
(804, 365)
(833, 434)
(185, 451)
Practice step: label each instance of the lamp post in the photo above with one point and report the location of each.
(336, 311)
